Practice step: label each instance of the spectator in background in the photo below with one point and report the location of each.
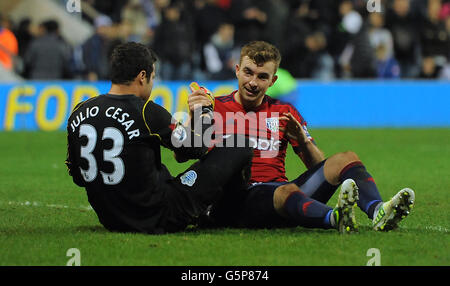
(429, 69)
(357, 60)
(383, 44)
(219, 53)
(403, 24)
(25, 33)
(435, 39)
(445, 14)
(434, 36)
(207, 19)
(387, 65)
(250, 19)
(159, 6)
(174, 43)
(305, 54)
(8, 47)
(97, 49)
(277, 20)
(140, 15)
(112, 8)
(49, 55)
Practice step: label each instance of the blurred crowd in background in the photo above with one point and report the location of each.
(201, 39)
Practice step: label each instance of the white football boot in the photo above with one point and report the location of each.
(390, 213)
(344, 212)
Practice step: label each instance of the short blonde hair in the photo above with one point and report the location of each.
(261, 52)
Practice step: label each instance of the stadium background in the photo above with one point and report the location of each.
(343, 67)
(391, 69)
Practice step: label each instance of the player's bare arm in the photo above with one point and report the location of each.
(310, 153)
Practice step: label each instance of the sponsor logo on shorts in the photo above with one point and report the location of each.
(189, 178)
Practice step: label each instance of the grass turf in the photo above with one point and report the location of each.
(43, 214)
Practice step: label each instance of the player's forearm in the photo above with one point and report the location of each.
(199, 133)
(73, 171)
(311, 154)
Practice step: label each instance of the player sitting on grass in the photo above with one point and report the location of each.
(271, 200)
(114, 145)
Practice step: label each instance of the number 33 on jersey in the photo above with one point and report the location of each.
(108, 140)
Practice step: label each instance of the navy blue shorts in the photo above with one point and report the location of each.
(256, 210)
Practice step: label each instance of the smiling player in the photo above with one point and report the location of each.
(271, 125)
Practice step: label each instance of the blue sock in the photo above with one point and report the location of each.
(369, 197)
(327, 219)
(307, 212)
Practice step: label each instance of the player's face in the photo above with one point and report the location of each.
(254, 80)
(148, 86)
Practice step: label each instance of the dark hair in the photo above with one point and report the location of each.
(128, 60)
(51, 26)
(261, 52)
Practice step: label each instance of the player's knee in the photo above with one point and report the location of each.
(344, 158)
(341, 160)
(280, 196)
(350, 156)
(336, 163)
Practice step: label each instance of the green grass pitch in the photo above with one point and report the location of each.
(43, 214)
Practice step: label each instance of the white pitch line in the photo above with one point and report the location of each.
(437, 228)
(39, 204)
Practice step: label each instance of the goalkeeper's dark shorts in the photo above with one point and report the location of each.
(257, 210)
(203, 184)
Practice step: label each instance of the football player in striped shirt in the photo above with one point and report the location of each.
(271, 125)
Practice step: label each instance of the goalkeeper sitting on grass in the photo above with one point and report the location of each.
(114, 142)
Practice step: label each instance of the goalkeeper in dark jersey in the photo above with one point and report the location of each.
(114, 144)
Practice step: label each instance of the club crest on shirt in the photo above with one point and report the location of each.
(272, 124)
(189, 178)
